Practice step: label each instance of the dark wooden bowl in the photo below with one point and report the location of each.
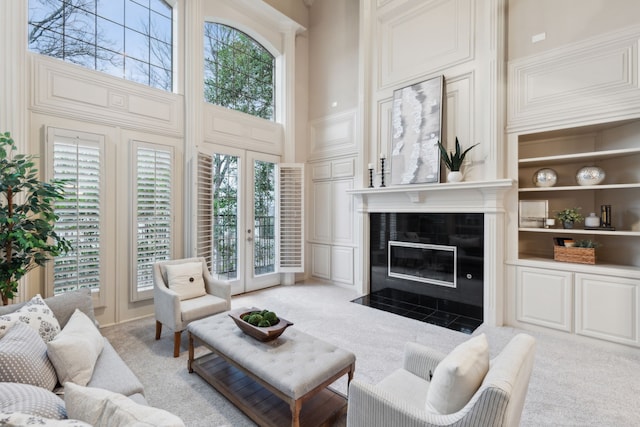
(264, 334)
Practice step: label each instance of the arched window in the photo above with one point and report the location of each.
(238, 71)
(124, 38)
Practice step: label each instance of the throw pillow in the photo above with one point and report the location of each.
(35, 313)
(22, 419)
(186, 279)
(458, 376)
(23, 358)
(75, 349)
(100, 407)
(29, 399)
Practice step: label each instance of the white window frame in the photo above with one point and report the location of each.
(135, 293)
(87, 139)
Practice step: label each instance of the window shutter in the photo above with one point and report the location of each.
(291, 218)
(79, 215)
(153, 226)
(204, 220)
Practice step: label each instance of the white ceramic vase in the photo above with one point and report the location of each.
(454, 176)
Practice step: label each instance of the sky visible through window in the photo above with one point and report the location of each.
(131, 39)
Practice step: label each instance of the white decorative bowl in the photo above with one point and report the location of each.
(545, 177)
(590, 175)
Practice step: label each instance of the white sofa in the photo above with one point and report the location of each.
(19, 394)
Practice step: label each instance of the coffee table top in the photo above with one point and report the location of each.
(294, 363)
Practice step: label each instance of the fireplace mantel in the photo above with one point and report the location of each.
(472, 196)
(487, 197)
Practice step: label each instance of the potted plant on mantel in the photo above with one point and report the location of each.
(27, 237)
(454, 161)
(569, 217)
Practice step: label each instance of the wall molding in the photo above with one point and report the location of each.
(71, 91)
(591, 81)
(411, 43)
(333, 135)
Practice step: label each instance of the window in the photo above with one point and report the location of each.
(131, 39)
(238, 71)
(77, 159)
(153, 213)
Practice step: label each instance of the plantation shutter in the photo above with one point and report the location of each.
(291, 218)
(77, 158)
(153, 210)
(204, 244)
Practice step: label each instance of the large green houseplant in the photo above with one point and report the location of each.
(27, 236)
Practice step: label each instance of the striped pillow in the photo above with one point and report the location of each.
(32, 400)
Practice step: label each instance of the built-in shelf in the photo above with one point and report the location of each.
(569, 158)
(599, 267)
(580, 187)
(581, 231)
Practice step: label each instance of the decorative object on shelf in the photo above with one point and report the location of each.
(453, 161)
(382, 157)
(590, 175)
(416, 121)
(533, 213)
(580, 251)
(574, 254)
(569, 217)
(550, 222)
(261, 333)
(605, 216)
(545, 177)
(592, 221)
(370, 175)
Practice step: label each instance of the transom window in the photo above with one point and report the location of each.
(238, 71)
(131, 39)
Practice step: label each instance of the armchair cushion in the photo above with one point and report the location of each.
(186, 280)
(458, 376)
(197, 308)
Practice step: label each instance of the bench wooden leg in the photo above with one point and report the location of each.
(158, 329)
(191, 353)
(176, 344)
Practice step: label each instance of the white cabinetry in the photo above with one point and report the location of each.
(599, 300)
(607, 307)
(545, 298)
(331, 229)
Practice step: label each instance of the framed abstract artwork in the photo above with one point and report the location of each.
(416, 124)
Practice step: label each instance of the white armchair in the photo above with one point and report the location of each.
(401, 398)
(175, 313)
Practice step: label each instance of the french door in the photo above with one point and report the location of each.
(237, 216)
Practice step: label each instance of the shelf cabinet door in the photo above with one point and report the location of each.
(544, 297)
(607, 308)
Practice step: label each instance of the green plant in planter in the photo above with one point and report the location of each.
(27, 237)
(586, 243)
(569, 216)
(452, 160)
(261, 319)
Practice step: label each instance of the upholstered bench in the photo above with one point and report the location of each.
(292, 369)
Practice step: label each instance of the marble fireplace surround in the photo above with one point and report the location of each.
(487, 197)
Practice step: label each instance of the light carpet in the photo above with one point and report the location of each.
(575, 381)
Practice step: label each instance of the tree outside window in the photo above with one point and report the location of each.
(123, 38)
(239, 71)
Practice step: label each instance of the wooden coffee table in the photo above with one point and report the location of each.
(270, 381)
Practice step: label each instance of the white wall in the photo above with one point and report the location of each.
(564, 21)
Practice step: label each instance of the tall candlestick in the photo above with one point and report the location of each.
(370, 175)
(382, 170)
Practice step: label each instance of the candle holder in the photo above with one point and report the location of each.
(370, 177)
(382, 172)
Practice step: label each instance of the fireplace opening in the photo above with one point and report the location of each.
(428, 266)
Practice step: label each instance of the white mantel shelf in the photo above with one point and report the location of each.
(419, 192)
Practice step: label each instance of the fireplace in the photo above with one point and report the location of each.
(428, 266)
